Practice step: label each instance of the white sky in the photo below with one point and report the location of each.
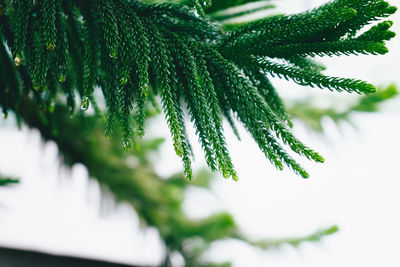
(357, 188)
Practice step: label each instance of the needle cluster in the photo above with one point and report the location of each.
(135, 52)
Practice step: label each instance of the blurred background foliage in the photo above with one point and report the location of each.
(130, 176)
(309, 113)
(4, 181)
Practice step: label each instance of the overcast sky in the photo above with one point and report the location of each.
(357, 188)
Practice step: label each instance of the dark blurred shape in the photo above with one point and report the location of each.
(10, 257)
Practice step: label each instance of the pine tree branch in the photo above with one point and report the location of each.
(135, 52)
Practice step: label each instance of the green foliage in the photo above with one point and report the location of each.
(53, 51)
(312, 116)
(371, 103)
(316, 236)
(135, 51)
(131, 178)
(8, 181)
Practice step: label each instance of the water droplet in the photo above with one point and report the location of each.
(62, 78)
(17, 61)
(63, 74)
(126, 145)
(51, 47)
(52, 107)
(124, 80)
(113, 54)
(85, 103)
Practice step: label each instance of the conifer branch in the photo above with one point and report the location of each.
(135, 51)
(307, 78)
